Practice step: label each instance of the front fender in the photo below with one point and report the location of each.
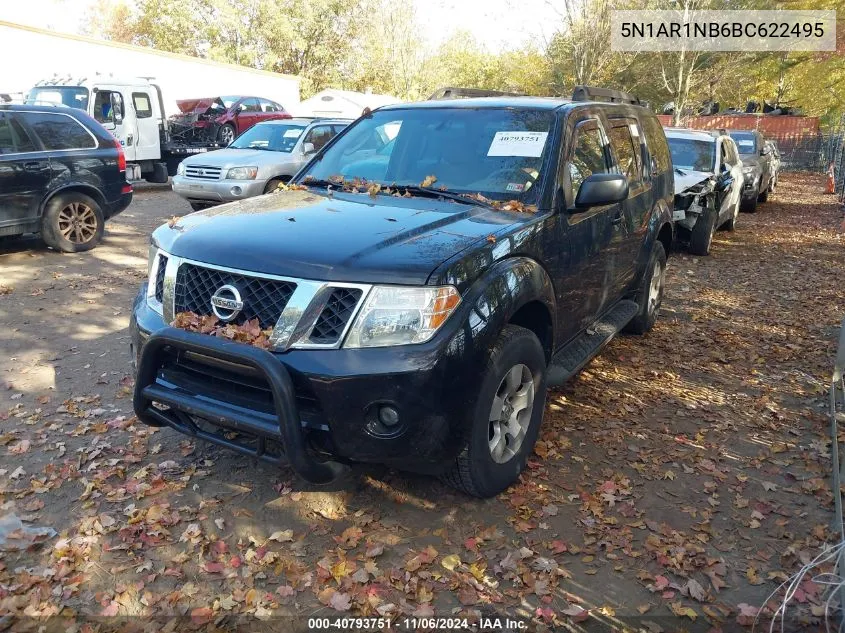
(495, 297)
(661, 217)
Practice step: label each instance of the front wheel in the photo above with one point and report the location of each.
(72, 223)
(702, 233)
(650, 293)
(226, 134)
(506, 417)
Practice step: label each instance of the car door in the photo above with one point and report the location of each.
(24, 174)
(248, 113)
(593, 233)
(147, 142)
(317, 137)
(626, 143)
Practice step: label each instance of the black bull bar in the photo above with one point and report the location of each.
(182, 404)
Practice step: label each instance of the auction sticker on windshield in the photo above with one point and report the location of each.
(528, 144)
(294, 133)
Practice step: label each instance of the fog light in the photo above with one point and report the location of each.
(388, 416)
(236, 191)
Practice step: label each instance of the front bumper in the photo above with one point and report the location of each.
(750, 186)
(335, 396)
(217, 190)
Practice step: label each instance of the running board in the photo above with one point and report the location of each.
(569, 360)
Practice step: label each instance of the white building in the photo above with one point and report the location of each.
(35, 54)
(342, 103)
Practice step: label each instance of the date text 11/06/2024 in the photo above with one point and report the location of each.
(411, 624)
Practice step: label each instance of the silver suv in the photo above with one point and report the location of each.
(255, 163)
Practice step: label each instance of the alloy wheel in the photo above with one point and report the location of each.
(510, 414)
(77, 223)
(655, 288)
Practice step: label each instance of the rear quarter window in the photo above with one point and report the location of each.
(656, 141)
(59, 131)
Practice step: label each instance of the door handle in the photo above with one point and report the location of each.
(34, 166)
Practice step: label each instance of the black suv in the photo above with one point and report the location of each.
(421, 282)
(62, 175)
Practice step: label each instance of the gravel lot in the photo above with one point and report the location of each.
(678, 480)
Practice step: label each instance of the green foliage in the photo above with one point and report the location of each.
(375, 44)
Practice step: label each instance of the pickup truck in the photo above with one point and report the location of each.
(415, 317)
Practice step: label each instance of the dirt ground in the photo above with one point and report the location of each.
(678, 480)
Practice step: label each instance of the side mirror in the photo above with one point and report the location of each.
(765, 151)
(601, 189)
(116, 109)
(308, 148)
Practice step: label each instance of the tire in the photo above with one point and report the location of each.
(273, 184)
(515, 356)
(199, 206)
(702, 233)
(763, 197)
(730, 225)
(226, 134)
(649, 309)
(749, 206)
(72, 223)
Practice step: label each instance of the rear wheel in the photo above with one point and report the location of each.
(506, 418)
(72, 223)
(650, 293)
(702, 233)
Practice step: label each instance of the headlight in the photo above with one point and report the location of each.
(156, 260)
(180, 169)
(747, 170)
(242, 173)
(397, 315)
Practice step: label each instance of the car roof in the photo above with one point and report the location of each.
(306, 120)
(38, 108)
(682, 132)
(539, 103)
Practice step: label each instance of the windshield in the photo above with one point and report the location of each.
(495, 152)
(228, 102)
(692, 154)
(745, 142)
(270, 136)
(71, 96)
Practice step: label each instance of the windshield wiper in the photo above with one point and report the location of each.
(442, 193)
(680, 171)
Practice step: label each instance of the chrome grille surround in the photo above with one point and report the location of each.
(297, 320)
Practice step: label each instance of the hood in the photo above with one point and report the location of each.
(750, 160)
(232, 157)
(348, 237)
(690, 178)
(194, 106)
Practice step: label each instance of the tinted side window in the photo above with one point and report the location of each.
(7, 145)
(319, 136)
(143, 108)
(250, 105)
(656, 141)
(59, 131)
(627, 152)
(23, 141)
(587, 156)
(268, 106)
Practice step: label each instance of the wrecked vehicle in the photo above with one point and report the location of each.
(708, 185)
(756, 156)
(221, 119)
(414, 318)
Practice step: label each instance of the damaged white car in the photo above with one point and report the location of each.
(708, 184)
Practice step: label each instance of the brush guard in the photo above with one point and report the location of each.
(182, 406)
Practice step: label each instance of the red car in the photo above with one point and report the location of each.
(222, 119)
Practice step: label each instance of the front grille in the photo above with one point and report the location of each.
(162, 266)
(263, 298)
(202, 172)
(335, 315)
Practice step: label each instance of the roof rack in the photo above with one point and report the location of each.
(450, 92)
(590, 93)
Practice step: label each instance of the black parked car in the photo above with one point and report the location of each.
(757, 168)
(62, 175)
(416, 322)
